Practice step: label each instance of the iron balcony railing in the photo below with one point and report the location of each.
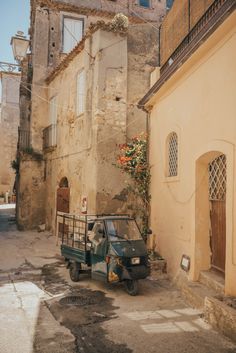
(23, 139)
(50, 136)
(208, 23)
(212, 14)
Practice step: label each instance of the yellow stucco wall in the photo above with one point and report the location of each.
(199, 103)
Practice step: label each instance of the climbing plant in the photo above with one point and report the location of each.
(132, 159)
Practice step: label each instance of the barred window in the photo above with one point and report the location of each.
(217, 179)
(172, 155)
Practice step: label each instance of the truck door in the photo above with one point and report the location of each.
(99, 251)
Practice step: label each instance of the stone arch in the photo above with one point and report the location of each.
(202, 212)
(64, 183)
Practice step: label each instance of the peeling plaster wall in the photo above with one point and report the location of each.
(32, 210)
(88, 142)
(9, 122)
(106, 99)
(142, 59)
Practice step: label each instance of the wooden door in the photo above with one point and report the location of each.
(63, 205)
(217, 195)
(218, 234)
(63, 199)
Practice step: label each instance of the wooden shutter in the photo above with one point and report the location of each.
(72, 33)
(53, 121)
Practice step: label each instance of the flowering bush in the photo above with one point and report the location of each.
(132, 160)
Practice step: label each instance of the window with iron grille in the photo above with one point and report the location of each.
(217, 179)
(172, 155)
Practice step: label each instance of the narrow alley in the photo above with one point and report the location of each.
(47, 313)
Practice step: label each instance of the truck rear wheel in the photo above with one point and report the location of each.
(74, 271)
(131, 286)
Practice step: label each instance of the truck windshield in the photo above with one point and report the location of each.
(122, 229)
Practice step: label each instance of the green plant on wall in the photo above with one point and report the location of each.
(15, 164)
(132, 159)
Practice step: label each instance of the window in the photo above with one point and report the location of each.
(72, 33)
(144, 3)
(169, 4)
(53, 110)
(52, 130)
(172, 155)
(80, 93)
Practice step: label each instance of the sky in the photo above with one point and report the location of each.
(14, 16)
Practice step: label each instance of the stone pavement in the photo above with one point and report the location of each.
(33, 319)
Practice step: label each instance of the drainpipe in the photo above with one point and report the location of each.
(159, 46)
(189, 16)
(148, 141)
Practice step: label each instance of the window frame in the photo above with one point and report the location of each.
(67, 16)
(51, 121)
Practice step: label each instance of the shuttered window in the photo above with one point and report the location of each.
(53, 110)
(72, 33)
(80, 93)
(52, 132)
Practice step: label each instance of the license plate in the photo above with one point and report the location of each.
(135, 261)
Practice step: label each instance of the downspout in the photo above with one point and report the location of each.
(147, 156)
(189, 16)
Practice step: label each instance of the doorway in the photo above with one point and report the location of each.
(217, 200)
(63, 196)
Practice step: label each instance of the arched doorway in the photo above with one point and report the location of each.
(210, 212)
(217, 199)
(63, 196)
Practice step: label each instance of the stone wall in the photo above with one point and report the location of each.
(108, 103)
(31, 193)
(87, 145)
(9, 122)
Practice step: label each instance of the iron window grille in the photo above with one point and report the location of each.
(217, 179)
(172, 155)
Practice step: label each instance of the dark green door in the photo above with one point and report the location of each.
(99, 251)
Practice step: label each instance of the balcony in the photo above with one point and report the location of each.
(207, 24)
(23, 139)
(203, 28)
(50, 137)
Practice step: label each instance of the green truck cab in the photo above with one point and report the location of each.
(111, 247)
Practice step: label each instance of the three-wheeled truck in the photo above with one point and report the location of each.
(109, 246)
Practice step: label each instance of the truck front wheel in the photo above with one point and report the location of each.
(131, 286)
(74, 271)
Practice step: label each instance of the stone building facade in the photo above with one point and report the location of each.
(116, 77)
(9, 122)
(192, 143)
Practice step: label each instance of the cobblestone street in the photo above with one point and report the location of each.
(43, 311)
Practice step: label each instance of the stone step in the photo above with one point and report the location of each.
(213, 280)
(194, 292)
(158, 269)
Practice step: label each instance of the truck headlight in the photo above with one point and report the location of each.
(135, 260)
